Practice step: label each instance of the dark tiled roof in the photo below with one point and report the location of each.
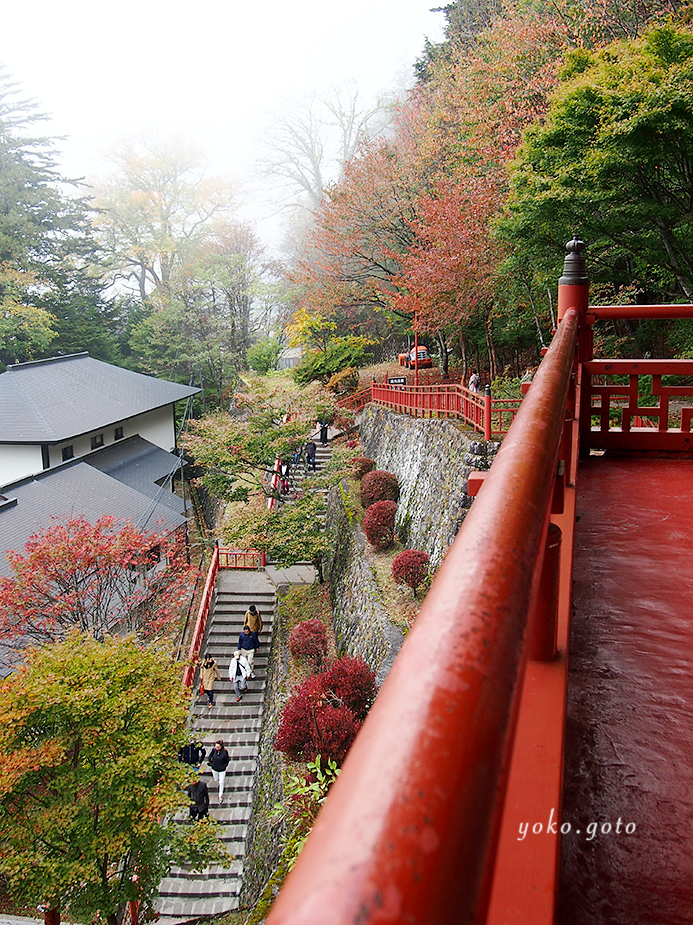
(141, 465)
(52, 400)
(75, 489)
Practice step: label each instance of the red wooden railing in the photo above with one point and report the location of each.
(222, 558)
(612, 415)
(201, 621)
(490, 416)
(357, 401)
(241, 558)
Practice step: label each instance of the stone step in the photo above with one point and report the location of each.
(185, 895)
(212, 870)
(186, 887)
(174, 911)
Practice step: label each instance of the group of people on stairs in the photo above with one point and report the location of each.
(242, 666)
(241, 669)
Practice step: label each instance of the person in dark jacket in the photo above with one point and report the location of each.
(311, 450)
(192, 753)
(198, 795)
(323, 432)
(248, 643)
(218, 762)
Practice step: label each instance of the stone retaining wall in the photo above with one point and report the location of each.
(361, 624)
(432, 460)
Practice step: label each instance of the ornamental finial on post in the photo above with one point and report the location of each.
(574, 269)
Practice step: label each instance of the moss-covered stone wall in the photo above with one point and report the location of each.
(361, 624)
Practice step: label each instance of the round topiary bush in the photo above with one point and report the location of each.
(379, 524)
(411, 568)
(361, 465)
(308, 640)
(379, 485)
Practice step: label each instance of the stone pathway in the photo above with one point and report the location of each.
(184, 895)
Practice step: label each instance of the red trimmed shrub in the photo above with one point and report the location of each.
(410, 568)
(335, 731)
(295, 736)
(361, 465)
(308, 640)
(379, 524)
(379, 485)
(325, 712)
(352, 682)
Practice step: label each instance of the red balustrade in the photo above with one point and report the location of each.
(241, 558)
(612, 414)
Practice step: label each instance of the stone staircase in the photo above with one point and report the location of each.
(184, 895)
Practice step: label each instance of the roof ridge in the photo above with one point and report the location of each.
(68, 356)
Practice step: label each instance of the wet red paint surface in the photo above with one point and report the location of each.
(629, 747)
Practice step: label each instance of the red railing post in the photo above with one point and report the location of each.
(542, 646)
(487, 413)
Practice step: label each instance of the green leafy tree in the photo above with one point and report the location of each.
(269, 421)
(263, 356)
(45, 245)
(89, 780)
(612, 163)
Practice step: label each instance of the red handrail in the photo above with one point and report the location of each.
(201, 621)
(409, 831)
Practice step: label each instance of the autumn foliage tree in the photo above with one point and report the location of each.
(93, 577)
(89, 781)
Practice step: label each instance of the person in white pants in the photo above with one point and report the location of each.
(218, 762)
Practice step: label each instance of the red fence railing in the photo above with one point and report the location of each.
(490, 416)
(622, 412)
(201, 621)
(486, 415)
(241, 558)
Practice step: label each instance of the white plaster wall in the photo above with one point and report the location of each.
(19, 461)
(156, 426)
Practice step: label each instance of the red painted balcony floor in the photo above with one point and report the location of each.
(629, 749)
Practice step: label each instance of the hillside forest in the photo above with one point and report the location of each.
(449, 211)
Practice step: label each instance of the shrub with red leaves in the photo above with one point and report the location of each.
(351, 681)
(296, 734)
(361, 465)
(379, 524)
(410, 568)
(308, 640)
(325, 712)
(379, 485)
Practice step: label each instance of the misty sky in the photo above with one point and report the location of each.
(210, 71)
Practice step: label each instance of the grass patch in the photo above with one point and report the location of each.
(400, 605)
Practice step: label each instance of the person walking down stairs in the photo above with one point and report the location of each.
(239, 672)
(219, 762)
(209, 672)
